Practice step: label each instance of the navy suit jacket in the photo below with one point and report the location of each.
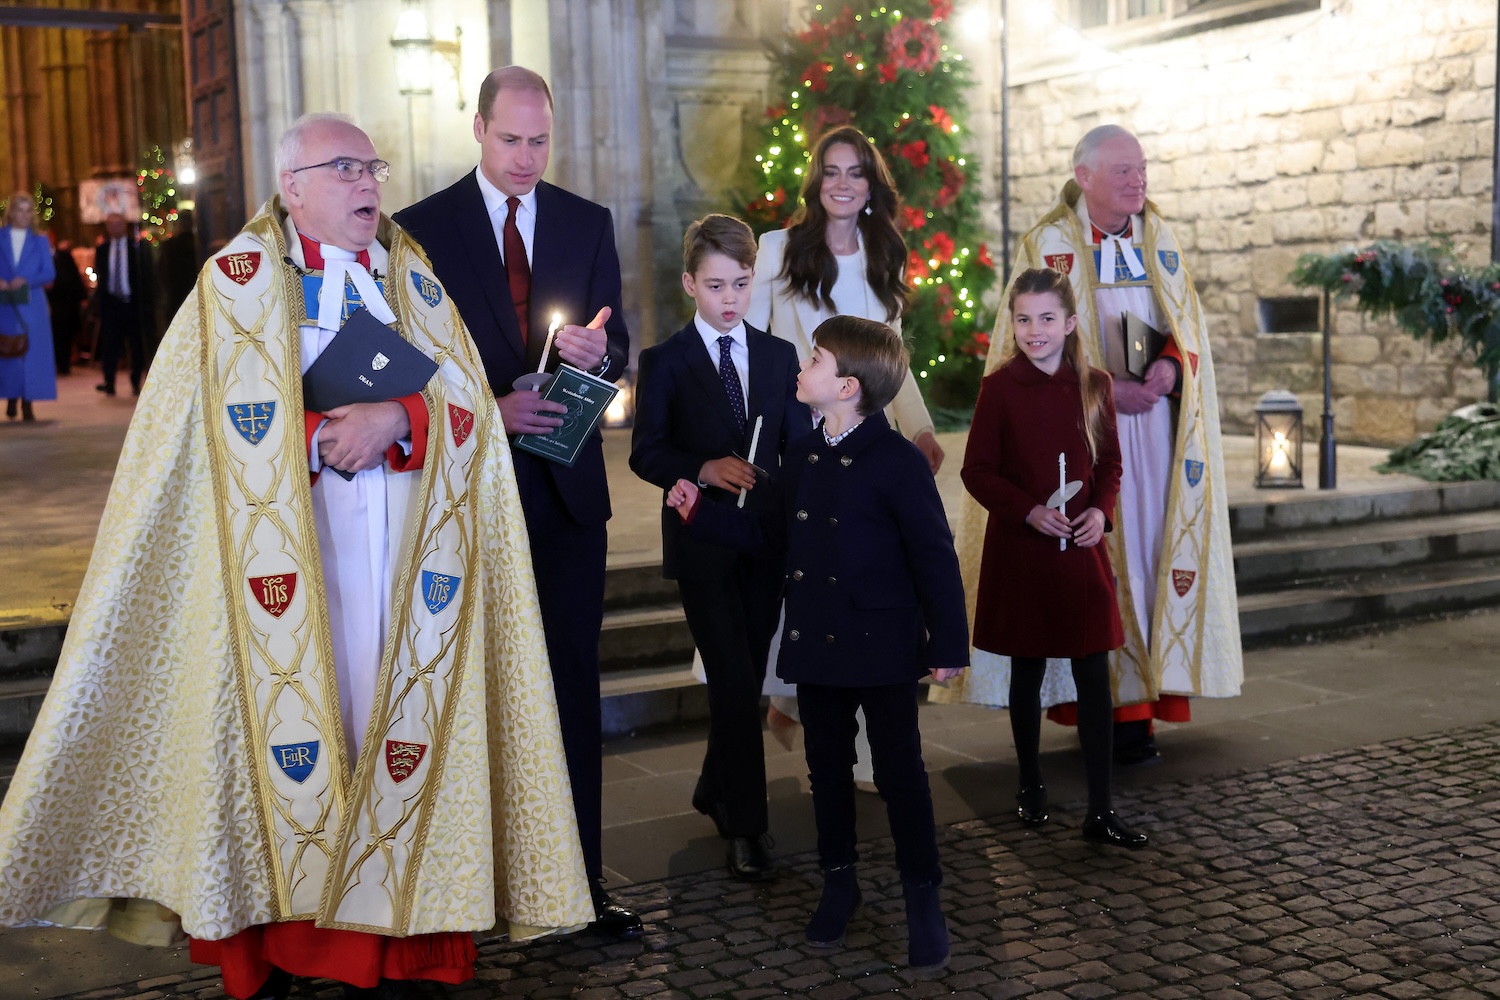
(683, 419)
(575, 271)
(873, 592)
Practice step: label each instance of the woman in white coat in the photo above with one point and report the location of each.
(842, 254)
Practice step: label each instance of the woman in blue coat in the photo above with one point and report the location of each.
(26, 266)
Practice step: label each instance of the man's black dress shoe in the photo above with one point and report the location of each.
(1137, 754)
(1106, 828)
(105, 388)
(389, 989)
(612, 918)
(748, 860)
(1031, 805)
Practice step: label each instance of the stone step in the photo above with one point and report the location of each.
(1360, 601)
(644, 637)
(1313, 554)
(1288, 511)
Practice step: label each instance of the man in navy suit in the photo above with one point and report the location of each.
(706, 396)
(515, 251)
(123, 295)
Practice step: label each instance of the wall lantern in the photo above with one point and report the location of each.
(1278, 440)
(621, 410)
(415, 48)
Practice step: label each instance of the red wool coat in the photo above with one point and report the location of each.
(1035, 600)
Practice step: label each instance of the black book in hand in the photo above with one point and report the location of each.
(366, 362)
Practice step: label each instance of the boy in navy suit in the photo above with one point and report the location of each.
(706, 396)
(873, 602)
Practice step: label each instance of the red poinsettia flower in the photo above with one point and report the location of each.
(983, 257)
(940, 118)
(941, 10)
(915, 153)
(913, 45)
(979, 345)
(953, 182)
(815, 36)
(816, 76)
(916, 266)
(829, 116)
(913, 218)
(940, 245)
(887, 73)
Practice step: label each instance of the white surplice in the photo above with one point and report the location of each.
(358, 525)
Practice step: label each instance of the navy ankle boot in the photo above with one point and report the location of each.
(926, 931)
(841, 899)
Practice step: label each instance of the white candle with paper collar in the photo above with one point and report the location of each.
(754, 440)
(1062, 493)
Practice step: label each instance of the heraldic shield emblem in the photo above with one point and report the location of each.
(252, 420)
(274, 593)
(296, 760)
(402, 758)
(1182, 580)
(379, 361)
(1193, 470)
(1060, 262)
(430, 291)
(462, 422)
(438, 590)
(239, 267)
(1169, 260)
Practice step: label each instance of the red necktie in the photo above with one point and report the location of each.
(517, 271)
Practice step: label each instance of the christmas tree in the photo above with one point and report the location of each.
(890, 72)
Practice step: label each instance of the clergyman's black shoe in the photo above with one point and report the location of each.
(1136, 754)
(612, 918)
(749, 861)
(106, 387)
(1106, 828)
(276, 986)
(1031, 805)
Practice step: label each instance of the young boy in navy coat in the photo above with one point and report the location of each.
(873, 602)
(707, 395)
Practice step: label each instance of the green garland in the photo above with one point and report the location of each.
(890, 71)
(1422, 286)
(1466, 445)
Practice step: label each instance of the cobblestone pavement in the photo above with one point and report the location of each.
(1362, 873)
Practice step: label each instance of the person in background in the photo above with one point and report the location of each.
(26, 271)
(66, 297)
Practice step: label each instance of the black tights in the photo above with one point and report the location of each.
(1095, 721)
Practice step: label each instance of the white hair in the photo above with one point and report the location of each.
(289, 147)
(1086, 153)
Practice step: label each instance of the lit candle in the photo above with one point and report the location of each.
(547, 347)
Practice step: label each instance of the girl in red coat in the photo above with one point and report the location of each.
(1046, 588)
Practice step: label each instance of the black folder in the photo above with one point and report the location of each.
(366, 362)
(1143, 344)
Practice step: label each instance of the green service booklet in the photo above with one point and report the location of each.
(586, 397)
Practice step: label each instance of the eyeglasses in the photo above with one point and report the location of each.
(352, 170)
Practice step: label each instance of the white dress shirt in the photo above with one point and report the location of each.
(494, 204)
(739, 352)
(17, 241)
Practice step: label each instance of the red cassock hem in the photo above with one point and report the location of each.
(353, 957)
(1168, 708)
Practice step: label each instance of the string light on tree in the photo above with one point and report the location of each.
(891, 72)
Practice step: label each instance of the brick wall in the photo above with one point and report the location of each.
(1308, 133)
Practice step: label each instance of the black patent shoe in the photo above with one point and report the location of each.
(612, 918)
(276, 987)
(1031, 805)
(748, 859)
(1137, 754)
(1107, 828)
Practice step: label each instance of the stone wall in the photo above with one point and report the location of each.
(1308, 132)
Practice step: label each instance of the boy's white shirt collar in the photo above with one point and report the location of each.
(711, 336)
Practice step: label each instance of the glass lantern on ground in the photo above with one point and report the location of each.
(1278, 440)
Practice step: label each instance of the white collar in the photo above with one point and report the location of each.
(339, 266)
(712, 335)
(495, 199)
